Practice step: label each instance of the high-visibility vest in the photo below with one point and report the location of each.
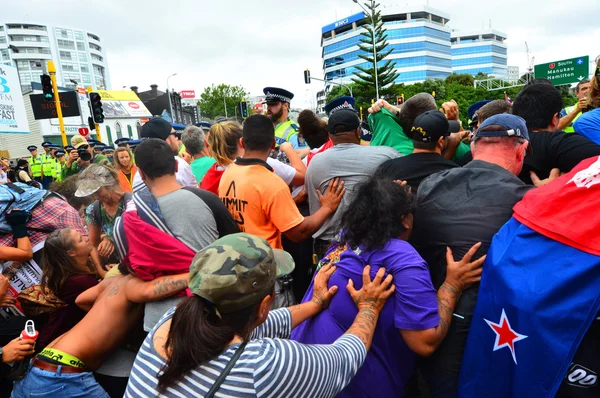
(35, 166)
(48, 165)
(569, 128)
(284, 131)
(58, 174)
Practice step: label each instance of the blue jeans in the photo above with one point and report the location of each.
(43, 383)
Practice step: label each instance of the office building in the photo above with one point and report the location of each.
(480, 51)
(79, 56)
(418, 37)
(423, 46)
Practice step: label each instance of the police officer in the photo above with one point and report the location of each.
(278, 107)
(35, 163)
(572, 113)
(48, 165)
(60, 163)
(123, 142)
(109, 153)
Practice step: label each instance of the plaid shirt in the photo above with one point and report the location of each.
(52, 213)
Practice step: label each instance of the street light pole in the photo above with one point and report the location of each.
(225, 106)
(372, 15)
(169, 96)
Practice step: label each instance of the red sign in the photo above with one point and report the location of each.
(188, 94)
(551, 66)
(83, 131)
(133, 105)
(81, 90)
(144, 120)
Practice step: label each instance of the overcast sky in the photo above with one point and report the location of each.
(269, 43)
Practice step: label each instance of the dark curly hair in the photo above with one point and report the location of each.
(376, 214)
(313, 128)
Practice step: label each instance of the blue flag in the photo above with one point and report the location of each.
(537, 299)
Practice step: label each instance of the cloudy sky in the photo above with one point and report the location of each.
(269, 43)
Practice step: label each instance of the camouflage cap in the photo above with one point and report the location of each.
(237, 271)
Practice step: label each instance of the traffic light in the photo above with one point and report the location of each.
(307, 76)
(91, 124)
(97, 111)
(47, 87)
(400, 100)
(244, 108)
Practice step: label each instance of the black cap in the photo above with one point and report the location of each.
(46, 144)
(31, 148)
(59, 153)
(276, 94)
(343, 121)
(69, 148)
(430, 126)
(156, 128)
(122, 141)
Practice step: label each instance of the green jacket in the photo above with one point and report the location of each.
(386, 131)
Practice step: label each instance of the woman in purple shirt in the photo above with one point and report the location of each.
(415, 319)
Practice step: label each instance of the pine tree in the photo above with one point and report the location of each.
(386, 74)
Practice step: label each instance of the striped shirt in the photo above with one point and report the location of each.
(270, 366)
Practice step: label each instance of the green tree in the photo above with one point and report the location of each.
(463, 79)
(386, 73)
(214, 98)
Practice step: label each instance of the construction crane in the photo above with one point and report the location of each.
(530, 60)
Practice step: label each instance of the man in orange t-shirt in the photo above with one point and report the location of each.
(260, 201)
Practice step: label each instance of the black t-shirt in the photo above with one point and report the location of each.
(581, 380)
(458, 208)
(556, 150)
(414, 168)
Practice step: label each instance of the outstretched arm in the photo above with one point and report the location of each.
(139, 291)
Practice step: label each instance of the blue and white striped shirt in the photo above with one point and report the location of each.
(269, 366)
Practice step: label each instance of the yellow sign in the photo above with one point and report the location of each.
(117, 95)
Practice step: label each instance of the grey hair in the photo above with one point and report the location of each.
(413, 107)
(193, 139)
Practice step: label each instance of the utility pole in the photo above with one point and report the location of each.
(61, 122)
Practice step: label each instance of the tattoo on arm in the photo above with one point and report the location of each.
(364, 325)
(168, 285)
(447, 298)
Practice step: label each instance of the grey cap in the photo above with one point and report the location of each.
(93, 178)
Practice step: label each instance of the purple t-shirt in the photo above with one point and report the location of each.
(390, 362)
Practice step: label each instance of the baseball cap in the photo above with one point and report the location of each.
(156, 128)
(78, 140)
(504, 125)
(343, 121)
(431, 125)
(237, 271)
(92, 179)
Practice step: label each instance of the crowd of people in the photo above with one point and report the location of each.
(332, 257)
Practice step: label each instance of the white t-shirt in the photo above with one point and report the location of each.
(184, 176)
(284, 171)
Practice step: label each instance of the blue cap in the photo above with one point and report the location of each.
(54, 146)
(59, 154)
(46, 144)
(69, 148)
(509, 126)
(31, 148)
(178, 126)
(345, 102)
(108, 149)
(471, 112)
(204, 125)
(122, 141)
(133, 143)
(276, 94)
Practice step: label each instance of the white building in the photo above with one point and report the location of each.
(513, 74)
(479, 51)
(78, 55)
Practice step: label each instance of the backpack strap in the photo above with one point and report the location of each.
(215, 387)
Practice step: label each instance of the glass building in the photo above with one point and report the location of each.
(78, 55)
(480, 51)
(421, 42)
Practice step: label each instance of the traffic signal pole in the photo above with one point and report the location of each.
(97, 126)
(52, 72)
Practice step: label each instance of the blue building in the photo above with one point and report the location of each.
(421, 43)
(480, 51)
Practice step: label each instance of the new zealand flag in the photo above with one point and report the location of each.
(540, 291)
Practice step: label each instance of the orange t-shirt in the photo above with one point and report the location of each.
(259, 201)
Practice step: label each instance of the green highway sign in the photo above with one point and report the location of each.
(566, 71)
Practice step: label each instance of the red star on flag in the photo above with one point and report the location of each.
(505, 335)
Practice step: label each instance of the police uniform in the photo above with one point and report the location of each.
(58, 154)
(347, 102)
(569, 109)
(288, 130)
(35, 164)
(122, 142)
(472, 111)
(48, 166)
(109, 153)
